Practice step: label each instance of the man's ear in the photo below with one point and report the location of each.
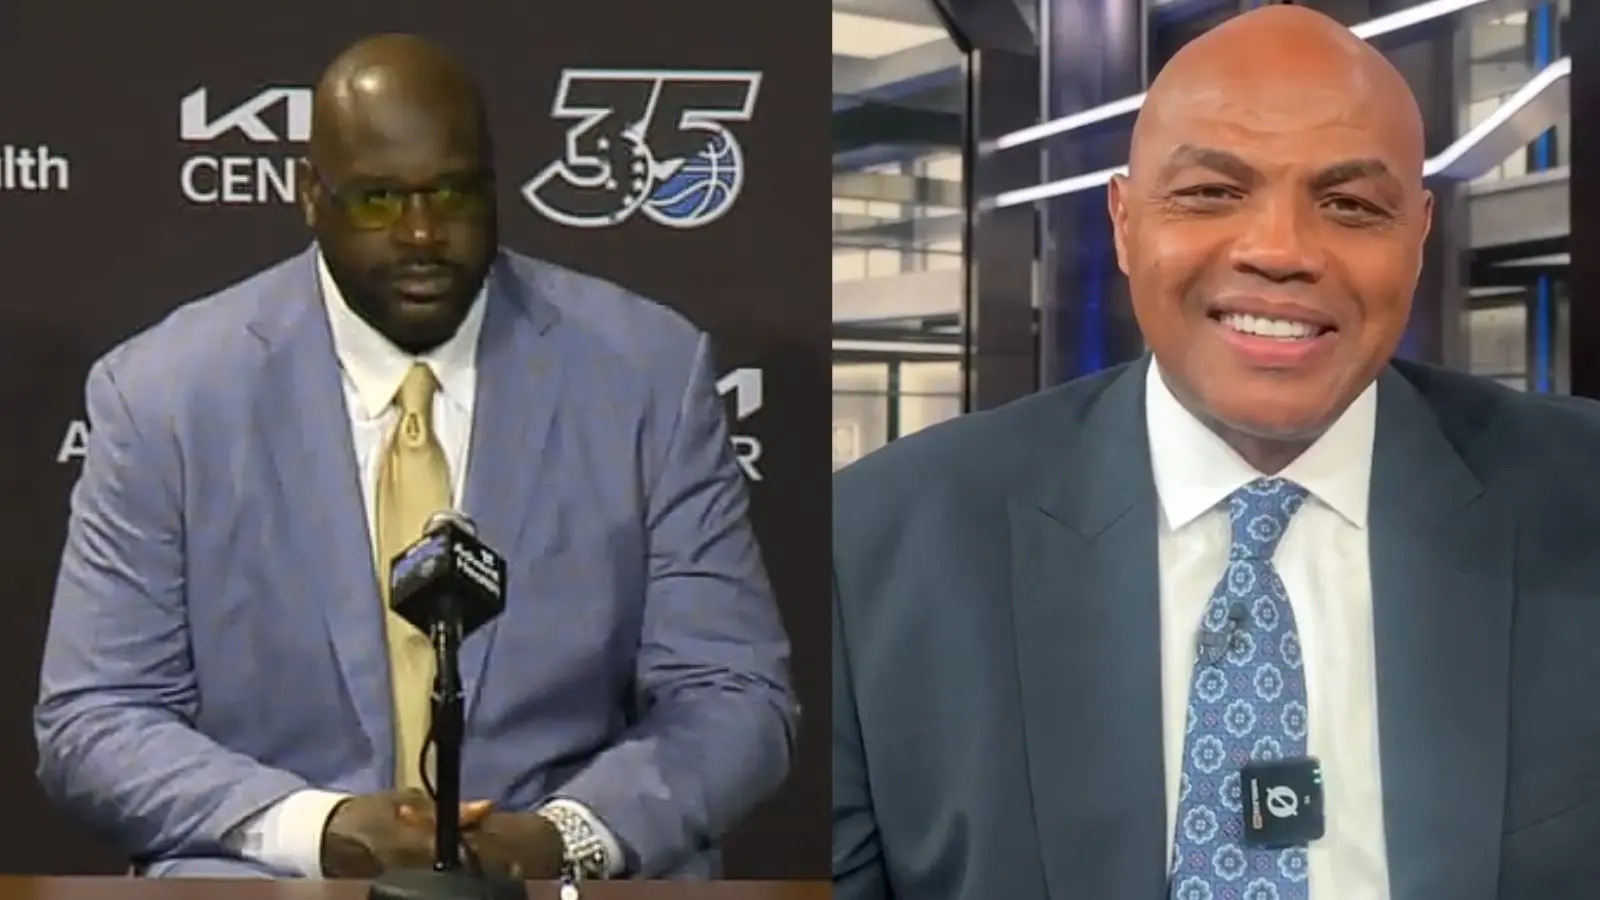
(1117, 208)
(308, 190)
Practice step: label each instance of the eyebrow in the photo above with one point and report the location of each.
(1188, 156)
(366, 179)
(1352, 170)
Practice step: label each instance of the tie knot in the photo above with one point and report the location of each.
(1259, 513)
(417, 390)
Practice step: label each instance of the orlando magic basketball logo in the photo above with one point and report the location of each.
(646, 141)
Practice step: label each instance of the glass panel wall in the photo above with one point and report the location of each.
(899, 101)
(1517, 303)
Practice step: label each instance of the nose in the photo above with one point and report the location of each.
(1279, 242)
(417, 225)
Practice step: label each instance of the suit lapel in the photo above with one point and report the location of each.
(301, 417)
(518, 391)
(1085, 599)
(1442, 565)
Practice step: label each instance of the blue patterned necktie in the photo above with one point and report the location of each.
(1245, 704)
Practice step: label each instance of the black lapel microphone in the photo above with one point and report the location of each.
(1214, 645)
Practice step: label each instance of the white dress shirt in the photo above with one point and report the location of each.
(1323, 561)
(288, 836)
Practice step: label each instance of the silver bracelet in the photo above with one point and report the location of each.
(584, 852)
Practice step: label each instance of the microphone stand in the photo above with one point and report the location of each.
(448, 880)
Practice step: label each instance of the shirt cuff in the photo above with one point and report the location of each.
(287, 836)
(608, 841)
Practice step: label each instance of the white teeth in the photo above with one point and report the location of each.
(1273, 328)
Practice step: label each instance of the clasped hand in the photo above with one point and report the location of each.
(371, 834)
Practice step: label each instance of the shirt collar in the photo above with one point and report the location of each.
(1195, 470)
(376, 367)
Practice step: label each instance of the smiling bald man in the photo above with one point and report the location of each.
(1266, 615)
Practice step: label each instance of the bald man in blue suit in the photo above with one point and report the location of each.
(216, 694)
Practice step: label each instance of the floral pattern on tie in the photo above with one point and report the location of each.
(1246, 704)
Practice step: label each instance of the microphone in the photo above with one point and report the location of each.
(447, 585)
(448, 578)
(1213, 645)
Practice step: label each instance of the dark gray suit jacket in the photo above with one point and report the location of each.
(996, 678)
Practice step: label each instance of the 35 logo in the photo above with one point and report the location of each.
(745, 388)
(650, 141)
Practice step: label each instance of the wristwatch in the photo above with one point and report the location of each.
(584, 851)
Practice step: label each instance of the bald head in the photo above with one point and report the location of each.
(393, 88)
(1271, 225)
(399, 187)
(1293, 69)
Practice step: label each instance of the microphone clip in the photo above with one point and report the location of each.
(1212, 646)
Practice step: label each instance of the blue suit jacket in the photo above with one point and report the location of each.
(216, 640)
(997, 665)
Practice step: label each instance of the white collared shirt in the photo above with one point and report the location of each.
(288, 836)
(1324, 563)
(372, 371)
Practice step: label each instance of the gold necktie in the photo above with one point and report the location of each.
(413, 484)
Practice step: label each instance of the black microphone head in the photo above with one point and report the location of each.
(448, 577)
(1237, 612)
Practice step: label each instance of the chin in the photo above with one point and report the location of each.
(1285, 424)
(419, 334)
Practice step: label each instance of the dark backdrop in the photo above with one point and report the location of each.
(111, 237)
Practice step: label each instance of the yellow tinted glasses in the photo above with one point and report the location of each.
(373, 208)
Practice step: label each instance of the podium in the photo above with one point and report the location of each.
(23, 888)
